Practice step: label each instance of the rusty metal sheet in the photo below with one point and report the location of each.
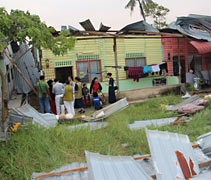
(172, 155)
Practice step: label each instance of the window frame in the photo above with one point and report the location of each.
(136, 60)
(88, 61)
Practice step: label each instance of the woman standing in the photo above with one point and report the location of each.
(68, 99)
(52, 101)
(95, 85)
(79, 96)
(111, 90)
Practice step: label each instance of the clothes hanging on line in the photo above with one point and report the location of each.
(156, 68)
(135, 73)
(163, 66)
(147, 69)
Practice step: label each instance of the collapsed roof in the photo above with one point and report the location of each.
(196, 26)
(139, 26)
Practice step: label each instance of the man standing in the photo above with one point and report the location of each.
(44, 95)
(58, 90)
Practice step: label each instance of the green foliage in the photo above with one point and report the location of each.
(20, 27)
(132, 4)
(158, 13)
(148, 8)
(36, 149)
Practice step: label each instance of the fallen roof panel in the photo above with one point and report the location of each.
(87, 25)
(114, 168)
(205, 143)
(91, 125)
(154, 122)
(172, 155)
(104, 28)
(46, 120)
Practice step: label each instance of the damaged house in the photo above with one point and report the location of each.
(193, 51)
(94, 56)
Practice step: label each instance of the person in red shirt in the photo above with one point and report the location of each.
(95, 85)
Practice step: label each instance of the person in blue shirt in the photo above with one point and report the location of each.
(96, 101)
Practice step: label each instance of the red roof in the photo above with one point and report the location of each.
(202, 47)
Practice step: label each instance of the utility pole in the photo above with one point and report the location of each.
(116, 62)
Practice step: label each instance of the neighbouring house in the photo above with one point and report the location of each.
(194, 49)
(27, 66)
(93, 56)
(5, 65)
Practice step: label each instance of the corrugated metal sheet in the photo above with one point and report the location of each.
(87, 25)
(27, 66)
(196, 26)
(104, 28)
(79, 175)
(91, 126)
(139, 26)
(154, 122)
(203, 176)
(202, 47)
(107, 111)
(172, 155)
(46, 120)
(114, 168)
(192, 100)
(205, 143)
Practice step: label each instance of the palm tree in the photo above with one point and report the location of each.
(142, 4)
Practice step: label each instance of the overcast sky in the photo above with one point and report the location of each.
(110, 12)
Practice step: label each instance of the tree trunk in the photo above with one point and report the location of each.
(4, 102)
(141, 10)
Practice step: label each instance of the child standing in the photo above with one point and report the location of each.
(96, 101)
(86, 95)
(102, 97)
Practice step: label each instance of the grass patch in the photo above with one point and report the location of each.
(36, 149)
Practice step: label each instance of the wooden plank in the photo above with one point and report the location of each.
(60, 172)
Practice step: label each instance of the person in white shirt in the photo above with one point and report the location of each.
(58, 90)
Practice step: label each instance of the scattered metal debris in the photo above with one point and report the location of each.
(91, 125)
(172, 155)
(205, 143)
(107, 111)
(45, 120)
(114, 167)
(190, 105)
(154, 122)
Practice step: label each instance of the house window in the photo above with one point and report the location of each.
(136, 62)
(87, 70)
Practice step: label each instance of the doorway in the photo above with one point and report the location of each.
(62, 73)
(176, 67)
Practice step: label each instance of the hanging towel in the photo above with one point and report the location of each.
(156, 68)
(147, 69)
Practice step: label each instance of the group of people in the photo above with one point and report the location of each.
(60, 98)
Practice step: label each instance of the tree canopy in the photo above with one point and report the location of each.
(158, 13)
(142, 4)
(21, 27)
(149, 8)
